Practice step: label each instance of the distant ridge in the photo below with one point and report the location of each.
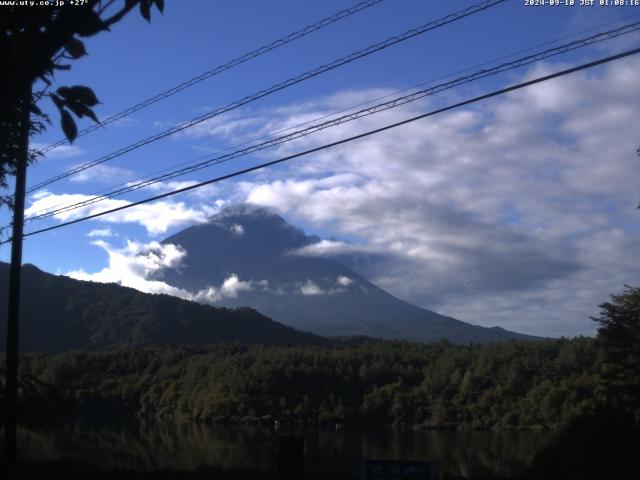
(59, 313)
(315, 294)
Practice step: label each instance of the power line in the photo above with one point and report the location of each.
(221, 68)
(277, 87)
(396, 102)
(344, 140)
(101, 192)
(292, 81)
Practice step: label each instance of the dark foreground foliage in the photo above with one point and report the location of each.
(619, 339)
(600, 445)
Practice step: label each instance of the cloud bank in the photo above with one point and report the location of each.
(519, 212)
(157, 217)
(134, 265)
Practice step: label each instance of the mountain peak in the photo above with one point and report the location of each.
(238, 240)
(240, 219)
(247, 210)
(251, 246)
(242, 214)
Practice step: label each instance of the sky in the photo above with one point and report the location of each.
(519, 211)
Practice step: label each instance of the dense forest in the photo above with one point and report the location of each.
(513, 385)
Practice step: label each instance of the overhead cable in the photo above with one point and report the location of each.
(340, 142)
(275, 88)
(221, 68)
(394, 103)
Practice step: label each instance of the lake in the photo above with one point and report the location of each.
(329, 453)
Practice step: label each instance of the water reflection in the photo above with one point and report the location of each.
(154, 445)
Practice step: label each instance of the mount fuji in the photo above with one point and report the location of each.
(252, 255)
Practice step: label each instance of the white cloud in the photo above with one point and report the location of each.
(156, 217)
(207, 295)
(310, 288)
(137, 264)
(331, 248)
(161, 187)
(61, 151)
(105, 174)
(221, 127)
(344, 281)
(100, 232)
(132, 266)
(230, 288)
(162, 124)
(232, 285)
(237, 230)
(125, 122)
(498, 214)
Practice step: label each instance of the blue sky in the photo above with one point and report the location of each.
(518, 199)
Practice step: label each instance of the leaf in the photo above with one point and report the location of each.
(62, 67)
(145, 10)
(59, 103)
(85, 95)
(89, 23)
(75, 48)
(48, 70)
(64, 92)
(160, 5)
(69, 126)
(90, 113)
(36, 110)
(80, 93)
(81, 110)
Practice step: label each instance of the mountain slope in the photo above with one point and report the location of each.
(59, 313)
(309, 293)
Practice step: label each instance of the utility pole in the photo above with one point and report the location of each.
(13, 318)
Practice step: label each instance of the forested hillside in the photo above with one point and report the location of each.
(514, 385)
(59, 313)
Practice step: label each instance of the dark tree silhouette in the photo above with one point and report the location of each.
(35, 42)
(619, 336)
(603, 441)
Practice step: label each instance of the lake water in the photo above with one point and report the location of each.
(156, 445)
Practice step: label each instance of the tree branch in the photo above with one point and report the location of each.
(129, 5)
(103, 8)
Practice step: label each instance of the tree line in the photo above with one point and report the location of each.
(512, 385)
